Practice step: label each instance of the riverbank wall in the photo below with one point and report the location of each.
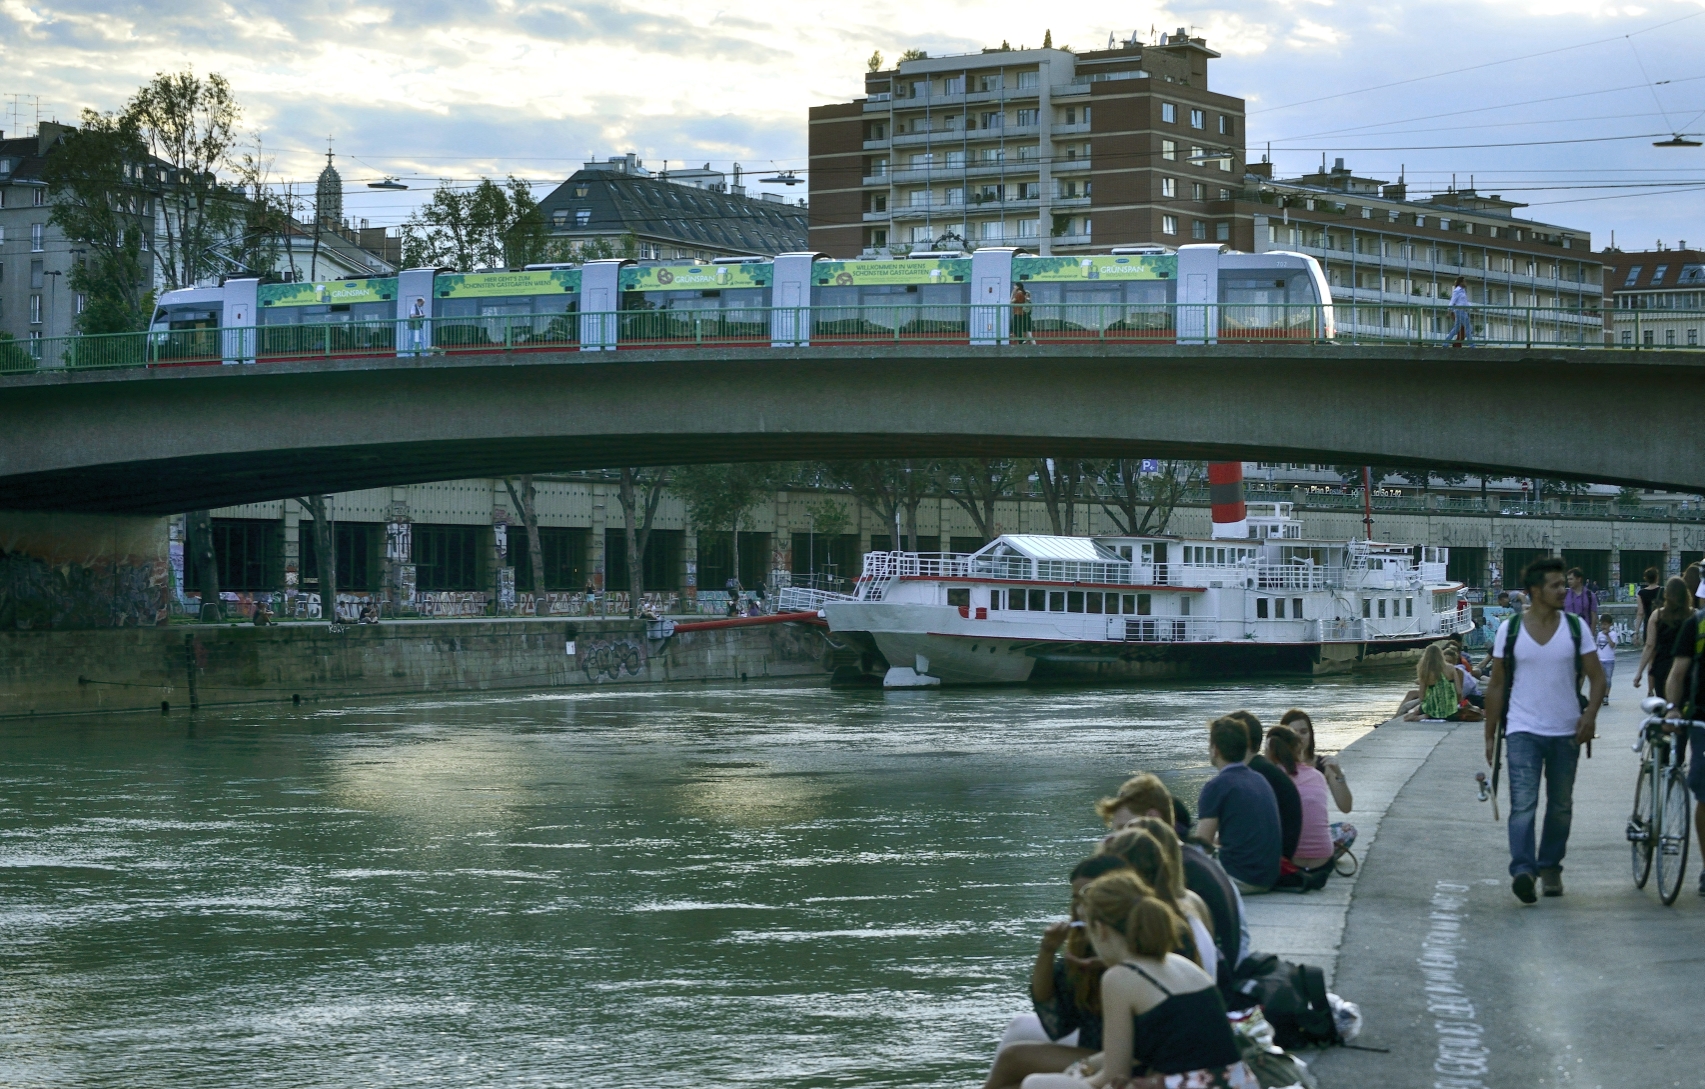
(185, 665)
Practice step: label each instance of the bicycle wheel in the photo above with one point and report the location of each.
(1640, 828)
(1671, 852)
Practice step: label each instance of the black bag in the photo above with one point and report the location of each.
(1293, 999)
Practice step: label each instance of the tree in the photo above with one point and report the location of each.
(485, 227)
(914, 54)
(1060, 480)
(976, 484)
(526, 506)
(886, 488)
(199, 524)
(325, 552)
(1142, 503)
(640, 492)
(874, 64)
(719, 496)
(98, 203)
(189, 125)
(1047, 39)
(268, 216)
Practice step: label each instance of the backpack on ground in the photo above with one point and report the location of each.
(1293, 999)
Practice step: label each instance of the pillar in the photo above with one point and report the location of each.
(399, 566)
(781, 543)
(601, 497)
(690, 569)
(292, 554)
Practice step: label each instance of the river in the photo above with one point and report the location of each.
(697, 886)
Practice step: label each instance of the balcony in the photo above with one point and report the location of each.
(1070, 130)
(876, 145)
(1062, 166)
(875, 179)
(876, 217)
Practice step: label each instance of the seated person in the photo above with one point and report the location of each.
(1162, 1014)
(1471, 687)
(1065, 990)
(1314, 847)
(1284, 791)
(1145, 796)
(1150, 847)
(1238, 812)
(1441, 690)
(369, 613)
(1303, 726)
(263, 614)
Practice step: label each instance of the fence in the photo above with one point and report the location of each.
(706, 326)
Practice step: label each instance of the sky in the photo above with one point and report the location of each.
(1552, 103)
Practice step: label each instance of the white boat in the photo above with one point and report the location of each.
(1030, 607)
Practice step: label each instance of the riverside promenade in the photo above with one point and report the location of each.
(1462, 983)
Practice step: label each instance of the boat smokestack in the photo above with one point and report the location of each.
(1225, 494)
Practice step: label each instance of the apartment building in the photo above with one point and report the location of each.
(1056, 151)
(1392, 260)
(36, 299)
(694, 213)
(1654, 298)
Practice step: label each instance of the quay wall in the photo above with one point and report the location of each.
(129, 669)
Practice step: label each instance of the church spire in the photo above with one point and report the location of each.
(328, 194)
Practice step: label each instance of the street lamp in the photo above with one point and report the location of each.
(1678, 140)
(52, 299)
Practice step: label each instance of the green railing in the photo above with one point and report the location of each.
(1348, 323)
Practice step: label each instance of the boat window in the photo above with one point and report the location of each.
(1382, 608)
(1278, 608)
(1056, 601)
(1039, 601)
(1093, 602)
(1074, 601)
(1408, 606)
(960, 596)
(1367, 608)
(1296, 608)
(1145, 604)
(1183, 606)
(995, 599)
(1261, 608)
(1148, 553)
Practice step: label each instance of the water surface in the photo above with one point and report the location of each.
(714, 886)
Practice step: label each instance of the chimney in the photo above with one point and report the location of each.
(1259, 170)
(1338, 166)
(1225, 497)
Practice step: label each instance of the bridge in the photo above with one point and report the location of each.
(166, 439)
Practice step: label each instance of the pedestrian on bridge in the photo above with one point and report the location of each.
(1462, 327)
(1538, 711)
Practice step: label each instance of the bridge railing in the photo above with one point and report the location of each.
(1349, 323)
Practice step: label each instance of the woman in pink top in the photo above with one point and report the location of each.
(1314, 846)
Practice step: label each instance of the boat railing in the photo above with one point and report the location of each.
(1342, 631)
(801, 599)
(1163, 629)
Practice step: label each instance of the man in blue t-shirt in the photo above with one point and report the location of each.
(1239, 811)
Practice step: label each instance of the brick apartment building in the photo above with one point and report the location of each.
(1655, 298)
(1062, 152)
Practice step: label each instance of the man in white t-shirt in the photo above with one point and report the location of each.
(1537, 699)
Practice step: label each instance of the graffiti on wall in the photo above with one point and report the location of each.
(611, 659)
(35, 594)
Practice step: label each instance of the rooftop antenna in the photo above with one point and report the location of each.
(1109, 39)
(1267, 158)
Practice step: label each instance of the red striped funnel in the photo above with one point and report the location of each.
(1225, 494)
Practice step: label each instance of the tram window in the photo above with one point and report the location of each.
(1296, 608)
(960, 595)
(1367, 608)
(1092, 602)
(1039, 601)
(1074, 601)
(1260, 608)
(1056, 601)
(1145, 604)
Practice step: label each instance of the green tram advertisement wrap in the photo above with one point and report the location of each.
(696, 304)
(328, 316)
(1126, 295)
(477, 309)
(928, 297)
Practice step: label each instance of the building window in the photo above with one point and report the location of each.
(1658, 274)
(996, 120)
(582, 217)
(1168, 187)
(35, 311)
(1669, 337)
(1169, 150)
(953, 85)
(445, 557)
(1029, 81)
(1198, 229)
(1169, 113)
(956, 195)
(1071, 115)
(1198, 119)
(559, 218)
(1627, 337)
(956, 158)
(1225, 125)
(1647, 338)
(1391, 216)
(1168, 224)
(38, 275)
(1023, 118)
(36, 245)
(82, 302)
(1198, 191)
(991, 231)
(1027, 228)
(1222, 232)
(879, 237)
(1633, 274)
(925, 235)
(1197, 155)
(40, 197)
(1693, 338)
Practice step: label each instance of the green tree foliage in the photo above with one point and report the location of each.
(95, 177)
(719, 496)
(874, 64)
(888, 488)
(489, 226)
(189, 126)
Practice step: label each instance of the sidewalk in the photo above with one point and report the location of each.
(1308, 928)
(1466, 986)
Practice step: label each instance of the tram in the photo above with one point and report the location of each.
(1198, 294)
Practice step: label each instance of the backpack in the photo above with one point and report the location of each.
(1293, 999)
(1511, 634)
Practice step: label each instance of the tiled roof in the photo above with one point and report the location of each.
(1653, 269)
(663, 211)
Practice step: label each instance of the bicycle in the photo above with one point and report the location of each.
(1662, 820)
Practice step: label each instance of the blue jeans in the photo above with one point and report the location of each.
(1529, 756)
(1460, 321)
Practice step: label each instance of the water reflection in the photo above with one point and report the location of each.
(793, 885)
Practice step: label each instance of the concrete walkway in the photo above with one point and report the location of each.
(1466, 986)
(1308, 928)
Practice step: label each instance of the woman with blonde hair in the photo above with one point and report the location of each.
(1163, 1016)
(1441, 690)
(1151, 848)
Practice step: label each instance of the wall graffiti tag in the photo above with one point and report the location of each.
(609, 660)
